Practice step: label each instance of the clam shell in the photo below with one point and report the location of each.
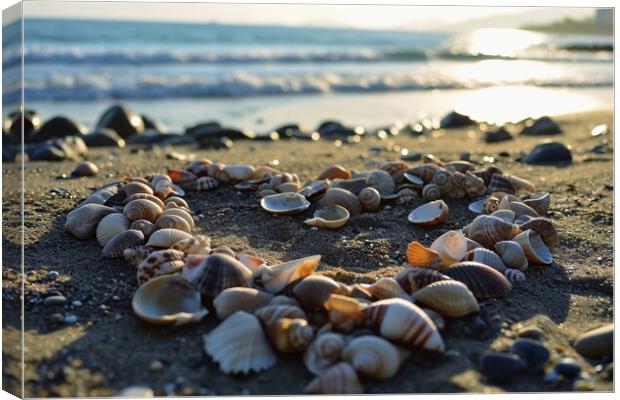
(275, 278)
(142, 209)
(352, 185)
(167, 237)
(332, 217)
(488, 230)
(314, 290)
(215, 169)
(144, 226)
(477, 207)
(172, 222)
(110, 226)
(431, 192)
(521, 184)
(162, 262)
(429, 214)
(403, 322)
(386, 288)
(290, 335)
(483, 281)
(273, 312)
(414, 279)
(512, 255)
(370, 198)
(132, 188)
(204, 183)
(178, 201)
(198, 167)
(344, 198)
(288, 187)
(120, 242)
(420, 256)
(181, 177)
(539, 202)
(335, 172)
(382, 181)
(239, 172)
(506, 215)
(144, 196)
(180, 212)
(545, 228)
(313, 190)
(374, 356)
(253, 263)
(452, 247)
(534, 248)
(235, 299)
(215, 273)
(339, 378)
(239, 345)
(500, 183)
(197, 245)
(514, 275)
(83, 221)
(168, 300)
(284, 203)
(450, 298)
(486, 257)
(424, 171)
(324, 351)
(517, 207)
(416, 181)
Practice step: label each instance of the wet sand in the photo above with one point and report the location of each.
(109, 348)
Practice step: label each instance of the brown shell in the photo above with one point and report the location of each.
(124, 240)
(142, 209)
(545, 228)
(335, 172)
(235, 299)
(132, 188)
(158, 263)
(491, 205)
(198, 167)
(500, 183)
(181, 176)
(344, 198)
(145, 196)
(431, 192)
(393, 167)
(314, 290)
(487, 173)
(414, 279)
(290, 335)
(340, 378)
(488, 230)
(205, 183)
(519, 208)
(173, 222)
(482, 280)
(424, 171)
(486, 257)
(387, 288)
(370, 198)
(430, 214)
(382, 181)
(539, 202)
(216, 273)
(474, 185)
(352, 185)
(420, 256)
(450, 298)
(443, 179)
(459, 166)
(178, 201)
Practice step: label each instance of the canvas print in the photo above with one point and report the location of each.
(205, 199)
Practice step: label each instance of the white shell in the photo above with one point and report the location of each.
(239, 172)
(167, 237)
(275, 278)
(234, 299)
(512, 254)
(331, 217)
(374, 356)
(429, 214)
(82, 222)
(452, 246)
(323, 352)
(284, 203)
(110, 226)
(535, 249)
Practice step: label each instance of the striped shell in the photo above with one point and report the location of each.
(167, 237)
(144, 196)
(486, 257)
(430, 214)
(82, 222)
(500, 183)
(420, 256)
(158, 263)
(215, 273)
(275, 278)
(314, 290)
(517, 207)
(534, 248)
(272, 312)
(198, 245)
(443, 179)
(178, 201)
(124, 240)
(506, 215)
(338, 379)
(403, 322)
(512, 255)
(335, 172)
(450, 298)
(482, 280)
(204, 183)
(290, 335)
(180, 212)
(431, 192)
(323, 352)
(414, 279)
(374, 356)
(370, 198)
(181, 176)
(382, 181)
(132, 188)
(144, 226)
(488, 230)
(224, 250)
(344, 198)
(142, 209)
(514, 275)
(234, 299)
(452, 247)
(544, 227)
(172, 222)
(110, 226)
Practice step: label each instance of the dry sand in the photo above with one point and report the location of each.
(110, 349)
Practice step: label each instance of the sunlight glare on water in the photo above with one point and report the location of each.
(499, 42)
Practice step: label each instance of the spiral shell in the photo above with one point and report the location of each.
(452, 247)
(158, 263)
(450, 298)
(374, 356)
(239, 345)
(500, 183)
(124, 240)
(167, 237)
(132, 188)
(215, 273)
(177, 201)
(144, 226)
(239, 172)
(335, 172)
(474, 185)
(414, 279)
(343, 198)
(459, 180)
(382, 181)
(512, 255)
(234, 299)
(487, 173)
(403, 322)
(142, 209)
(324, 351)
(430, 214)
(290, 335)
(204, 183)
(110, 226)
(431, 192)
(144, 196)
(332, 217)
(338, 379)
(424, 171)
(275, 278)
(539, 202)
(197, 245)
(272, 312)
(491, 205)
(545, 228)
(314, 290)
(514, 275)
(488, 230)
(443, 179)
(370, 198)
(83, 221)
(386, 288)
(486, 257)
(534, 248)
(482, 280)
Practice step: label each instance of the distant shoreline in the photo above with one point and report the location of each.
(573, 27)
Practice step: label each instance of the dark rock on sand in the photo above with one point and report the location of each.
(55, 128)
(290, 131)
(203, 126)
(600, 149)
(67, 148)
(85, 168)
(153, 124)
(124, 121)
(532, 352)
(568, 367)
(500, 367)
(11, 127)
(456, 120)
(103, 137)
(209, 131)
(216, 143)
(336, 130)
(596, 343)
(542, 126)
(500, 135)
(549, 153)
(154, 137)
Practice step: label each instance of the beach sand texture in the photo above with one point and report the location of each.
(110, 349)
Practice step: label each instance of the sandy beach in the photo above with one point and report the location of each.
(109, 349)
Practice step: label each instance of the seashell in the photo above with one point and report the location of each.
(335, 172)
(339, 378)
(264, 171)
(474, 185)
(214, 169)
(288, 187)
(539, 202)
(517, 207)
(472, 244)
(135, 255)
(324, 351)
(488, 230)
(450, 298)
(162, 262)
(486, 257)
(452, 247)
(178, 201)
(431, 192)
(429, 214)
(386, 288)
(404, 322)
(181, 177)
(482, 280)
(343, 198)
(332, 217)
(239, 172)
(443, 179)
(370, 198)
(253, 263)
(100, 196)
(83, 221)
(487, 173)
(459, 166)
(512, 254)
(144, 196)
(414, 180)
(204, 183)
(142, 209)
(506, 215)
(239, 345)
(168, 300)
(477, 207)
(437, 319)
(414, 279)
(284, 300)
(382, 181)
(393, 167)
(314, 190)
(424, 171)
(198, 167)
(490, 205)
(215, 273)
(290, 335)
(545, 228)
(167, 237)
(499, 183)
(224, 250)
(459, 180)
(420, 256)
(85, 168)
(172, 222)
(284, 203)
(160, 181)
(197, 245)
(374, 356)
(533, 246)
(182, 213)
(235, 299)
(110, 226)
(124, 240)
(314, 290)
(345, 313)
(272, 312)
(514, 275)
(275, 278)
(522, 219)
(520, 184)
(266, 192)
(405, 195)
(132, 188)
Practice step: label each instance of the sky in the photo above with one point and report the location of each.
(354, 16)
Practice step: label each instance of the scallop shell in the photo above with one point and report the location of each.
(420, 256)
(482, 280)
(431, 192)
(324, 351)
(403, 322)
(239, 172)
(83, 221)
(370, 198)
(158, 263)
(180, 212)
(168, 300)
(132, 188)
(340, 378)
(332, 217)
(443, 179)
(424, 171)
(534, 248)
(539, 202)
(178, 201)
(144, 196)
(512, 255)
(275, 278)
(344, 198)
(284, 203)
(429, 214)
(314, 290)
(239, 345)
(290, 335)
(335, 172)
(414, 279)
(374, 356)
(474, 185)
(142, 209)
(386, 288)
(124, 240)
(172, 222)
(167, 237)
(110, 226)
(273, 312)
(488, 230)
(521, 184)
(382, 181)
(197, 245)
(452, 247)
(450, 298)
(486, 257)
(500, 183)
(514, 275)
(544, 227)
(235, 299)
(204, 183)
(215, 273)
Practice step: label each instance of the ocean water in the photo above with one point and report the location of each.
(260, 76)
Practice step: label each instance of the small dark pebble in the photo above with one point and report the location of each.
(416, 156)
(456, 120)
(600, 149)
(531, 332)
(549, 153)
(500, 367)
(55, 300)
(568, 367)
(532, 352)
(500, 135)
(476, 327)
(542, 126)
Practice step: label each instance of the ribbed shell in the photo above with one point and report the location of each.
(344, 198)
(270, 313)
(403, 322)
(486, 257)
(482, 280)
(144, 196)
(323, 352)
(370, 198)
(382, 181)
(235, 299)
(178, 201)
(488, 230)
(506, 215)
(424, 171)
(110, 226)
(216, 273)
(172, 222)
(337, 379)
(450, 298)
(167, 237)
(544, 227)
(500, 183)
(431, 192)
(158, 263)
(374, 356)
(142, 209)
(124, 240)
(132, 188)
(82, 222)
(182, 213)
(414, 279)
(387, 288)
(144, 226)
(514, 275)
(204, 183)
